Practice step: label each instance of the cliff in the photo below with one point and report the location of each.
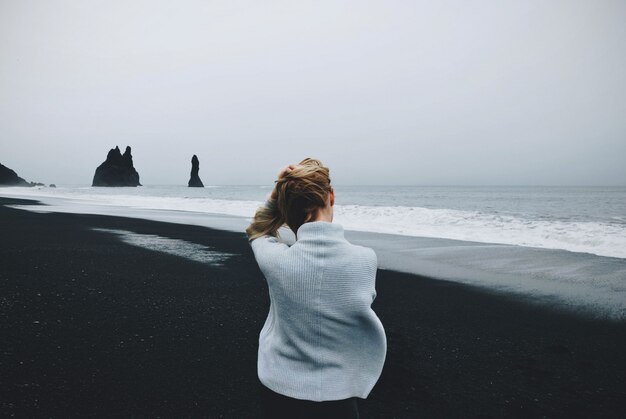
(8, 177)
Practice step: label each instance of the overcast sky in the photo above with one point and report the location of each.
(387, 92)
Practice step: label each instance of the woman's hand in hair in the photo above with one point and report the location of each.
(283, 172)
(286, 170)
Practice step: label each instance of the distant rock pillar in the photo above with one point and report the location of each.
(194, 180)
(117, 170)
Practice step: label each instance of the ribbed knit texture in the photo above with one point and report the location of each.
(321, 340)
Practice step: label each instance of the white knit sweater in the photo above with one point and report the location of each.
(321, 340)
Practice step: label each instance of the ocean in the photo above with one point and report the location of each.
(563, 244)
(578, 219)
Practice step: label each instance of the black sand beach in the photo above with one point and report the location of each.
(94, 327)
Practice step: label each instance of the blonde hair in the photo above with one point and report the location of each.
(299, 194)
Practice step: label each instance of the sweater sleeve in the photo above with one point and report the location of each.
(268, 251)
(267, 248)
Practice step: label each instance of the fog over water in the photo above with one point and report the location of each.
(449, 92)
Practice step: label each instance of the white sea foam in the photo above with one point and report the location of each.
(597, 238)
(176, 247)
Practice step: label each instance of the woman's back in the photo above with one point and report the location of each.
(321, 340)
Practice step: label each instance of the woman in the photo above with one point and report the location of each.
(322, 346)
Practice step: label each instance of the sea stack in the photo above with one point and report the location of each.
(9, 178)
(194, 180)
(117, 170)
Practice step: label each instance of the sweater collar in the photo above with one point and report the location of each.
(320, 229)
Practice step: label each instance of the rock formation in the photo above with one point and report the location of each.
(117, 170)
(9, 178)
(194, 180)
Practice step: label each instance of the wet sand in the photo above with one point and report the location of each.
(92, 326)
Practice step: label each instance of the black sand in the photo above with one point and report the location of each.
(91, 326)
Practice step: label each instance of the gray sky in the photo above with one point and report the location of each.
(387, 92)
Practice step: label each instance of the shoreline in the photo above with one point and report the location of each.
(163, 198)
(93, 326)
(580, 283)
